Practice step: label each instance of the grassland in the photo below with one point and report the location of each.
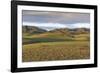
(56, 51)
(50, 46)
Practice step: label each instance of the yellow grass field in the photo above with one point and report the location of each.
(61, 50)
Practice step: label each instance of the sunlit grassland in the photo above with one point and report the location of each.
(53, 37)
(55, 45)
(60, 50)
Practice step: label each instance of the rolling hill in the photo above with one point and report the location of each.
(32, 30)
(59, 44)
(33, 34)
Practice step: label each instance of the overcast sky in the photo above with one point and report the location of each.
(55, 20)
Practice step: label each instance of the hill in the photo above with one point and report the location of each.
(67, 31)
(32, 30)
(36, 35)
(72, 31)
(80, 30)
(58, 44)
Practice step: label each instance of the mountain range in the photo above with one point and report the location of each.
(37, 30)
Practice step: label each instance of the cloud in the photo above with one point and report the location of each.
(50, 20)
(55, 17)
(33, 12)
(81, 25)
(52, 26)
(46, 26)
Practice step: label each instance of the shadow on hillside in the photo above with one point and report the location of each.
(39, 40)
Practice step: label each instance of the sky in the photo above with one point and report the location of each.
(55, 20)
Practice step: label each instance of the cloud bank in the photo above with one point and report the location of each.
(53, 20)
(52, 26)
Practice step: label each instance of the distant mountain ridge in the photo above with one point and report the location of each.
(72, 31)
(32, 29)
(36, 30)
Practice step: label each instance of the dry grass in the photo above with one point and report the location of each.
(56, 51)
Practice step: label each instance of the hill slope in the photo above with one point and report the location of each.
(39, 35)
(32, 30)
